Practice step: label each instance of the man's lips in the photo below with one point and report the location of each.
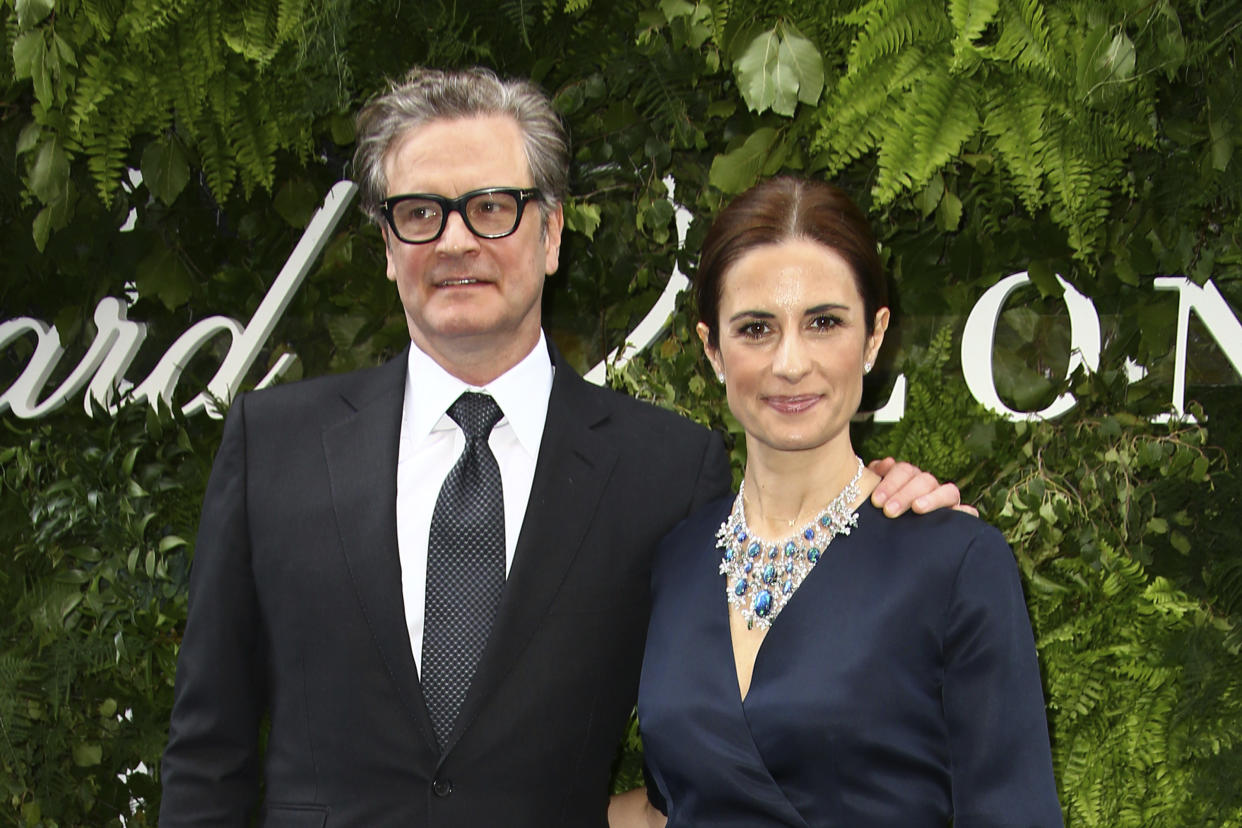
(792, 404)
(462, 281)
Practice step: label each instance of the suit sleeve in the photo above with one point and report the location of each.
(209, 771)
(715, 476)
(993, 702)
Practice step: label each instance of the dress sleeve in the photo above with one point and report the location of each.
(209, 773)
(1001, 763)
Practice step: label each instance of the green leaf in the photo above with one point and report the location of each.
(87, 754)
(165, 170)
(1223, 139)
(30, 12)
(673, 9)
(1043, 277)
(29, 137)
(1117, 61)
(733, 172)
(41, 228)
(28, 49)
(756, 71)
(929, 199)
(170, 542)
(799, 56)
(161, 275)
(949, 213)
(582, 217)
(49, 174)
(296, 201)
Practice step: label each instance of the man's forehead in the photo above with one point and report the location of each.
(458, 153)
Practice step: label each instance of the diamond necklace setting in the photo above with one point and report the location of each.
(761, 576)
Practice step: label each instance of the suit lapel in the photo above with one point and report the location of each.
(573, 468)
(361, 454)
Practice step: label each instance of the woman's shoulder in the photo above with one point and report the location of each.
(943, 537)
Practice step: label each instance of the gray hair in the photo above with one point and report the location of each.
(425, 95)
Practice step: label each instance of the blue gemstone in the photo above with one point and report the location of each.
(825, 520)
(728, 555)
(763, 604)
(749, 566)
(741, 536)
(789, 567)
(791, 548)
(769, 574)
(740, 589)
(753, 550)
(809, 534)
(772, 553)
(812, 555)
(787, 587)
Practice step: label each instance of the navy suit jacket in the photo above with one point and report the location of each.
(296, 617)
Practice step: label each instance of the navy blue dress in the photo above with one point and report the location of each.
(898, 687)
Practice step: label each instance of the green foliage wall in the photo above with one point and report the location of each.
(1094, 140)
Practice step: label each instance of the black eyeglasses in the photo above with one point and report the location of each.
(490, 213)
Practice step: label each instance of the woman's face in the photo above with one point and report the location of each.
(793, 343)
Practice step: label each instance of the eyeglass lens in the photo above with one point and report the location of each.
(486, 214)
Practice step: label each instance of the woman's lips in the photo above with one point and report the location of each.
(792, 405)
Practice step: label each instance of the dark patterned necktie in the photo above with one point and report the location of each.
(465, 565)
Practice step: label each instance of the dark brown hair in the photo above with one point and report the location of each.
(778, 210)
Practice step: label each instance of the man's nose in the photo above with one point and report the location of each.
(457, 237)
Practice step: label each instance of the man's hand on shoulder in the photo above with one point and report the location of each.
(904, 486)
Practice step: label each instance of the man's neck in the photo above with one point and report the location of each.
(479, 366)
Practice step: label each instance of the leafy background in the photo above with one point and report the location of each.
(1094, 140)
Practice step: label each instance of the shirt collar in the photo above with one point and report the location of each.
(522, 393)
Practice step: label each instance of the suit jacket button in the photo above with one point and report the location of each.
(442, 787)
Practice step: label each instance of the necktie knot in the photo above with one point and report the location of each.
(477, 414)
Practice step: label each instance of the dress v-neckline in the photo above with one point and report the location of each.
(763, 643)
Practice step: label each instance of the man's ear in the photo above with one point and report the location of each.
(390, 268)
(553, 226)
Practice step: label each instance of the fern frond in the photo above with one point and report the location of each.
(971, 17)
(1017, 123)
(1079, 204)
(102, 14)
(943, 115)
(253, 137)
(143, 18)
(16, 726)
(890, 26)
(1025, 38)
(854, 121)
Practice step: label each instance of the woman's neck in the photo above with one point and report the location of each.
(785, 490)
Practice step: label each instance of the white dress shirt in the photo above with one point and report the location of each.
(431, 444)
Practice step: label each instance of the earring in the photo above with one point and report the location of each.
(867, 367)
(720, 376)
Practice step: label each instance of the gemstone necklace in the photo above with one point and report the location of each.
(761, 577)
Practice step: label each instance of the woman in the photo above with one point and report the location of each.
(809, 662)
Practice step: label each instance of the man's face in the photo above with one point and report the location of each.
(472, 304)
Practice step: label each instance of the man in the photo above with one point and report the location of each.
(419, 666)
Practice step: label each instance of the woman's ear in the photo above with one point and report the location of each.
(877, 335)
(713, 354)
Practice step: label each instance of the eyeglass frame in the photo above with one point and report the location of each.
(458, 205)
